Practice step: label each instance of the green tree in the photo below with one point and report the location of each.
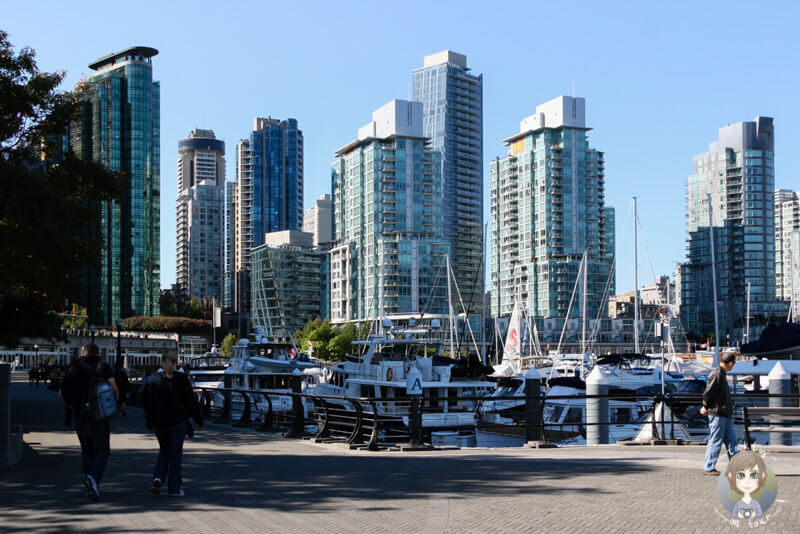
(301, 336)
(47, 199)
(167, 304)
(227, 345)
(341, 344)
(320, 338)
(191, 308)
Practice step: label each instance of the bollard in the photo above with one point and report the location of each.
(596, 409)
(298, 425)
(414, 390)
(533, 407)
(780, 383)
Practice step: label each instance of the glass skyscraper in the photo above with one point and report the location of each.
(547, 209)
(787, 245)
(452, 118)
(120, 127)
(388, 254)
(200, 216)
(266, 197)
(739, 172)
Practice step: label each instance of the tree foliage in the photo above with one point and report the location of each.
(180, 325)
(46, 199)
(227, 345)
(328, 342)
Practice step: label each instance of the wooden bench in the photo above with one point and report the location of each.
(784, 419)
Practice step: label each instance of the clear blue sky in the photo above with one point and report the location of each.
(659, 80)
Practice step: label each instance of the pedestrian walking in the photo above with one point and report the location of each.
(169, 404)
(123, 384)
(85, 390)
(31, 376)
(719, 408)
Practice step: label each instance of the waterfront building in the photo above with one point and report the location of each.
(266, 197)
(200, 217)
(787, 244)
(661, 292)
(452, 118)
(318, 220)
(388, 255)
(289, 282)
(120, 127)
(547, 209)
(738, 172)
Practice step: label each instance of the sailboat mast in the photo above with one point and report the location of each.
(450, 309)
(583, 294)
(792, 300)
(635, 279)
(747, 317)
(713, 277)
(483, 295)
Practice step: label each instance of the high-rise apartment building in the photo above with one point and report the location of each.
(547, 210)
(787, 244)
(201, 216)
(120, 127)
(452, 118)
(268, 197)
(318, 220)
(290, 284)
(388, 255)
(738, 173)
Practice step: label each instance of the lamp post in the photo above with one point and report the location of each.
(118, 362)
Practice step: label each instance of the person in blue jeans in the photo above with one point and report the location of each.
(169, 402)
(719, 408)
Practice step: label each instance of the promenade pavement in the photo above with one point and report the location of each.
(240, 481)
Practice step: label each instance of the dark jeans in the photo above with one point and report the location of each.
(95, 445)
(170, 455)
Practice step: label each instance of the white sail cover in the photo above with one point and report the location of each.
(646, 432)
(511, 350)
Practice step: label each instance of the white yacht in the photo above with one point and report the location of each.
(378, 370)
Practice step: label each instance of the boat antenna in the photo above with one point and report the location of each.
(635, 279)
(713, 277)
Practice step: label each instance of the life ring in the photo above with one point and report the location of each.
(389, 374)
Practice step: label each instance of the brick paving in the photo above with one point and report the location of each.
(240, 481)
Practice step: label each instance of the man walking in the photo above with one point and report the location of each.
(94, 436)
(719, 408)
(169, 402)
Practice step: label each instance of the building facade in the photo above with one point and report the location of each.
(318, 220)
(200, 217)
(120, 127)
(738, 173)
(289, 282)
(547, 210)
(388, 255)
(787, 244)
(452, 118)
(268, 197)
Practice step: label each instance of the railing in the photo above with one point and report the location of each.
(372, 422)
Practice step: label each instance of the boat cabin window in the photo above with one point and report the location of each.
(574, 415)
(367, 390)
(555, 415)
(621, 415)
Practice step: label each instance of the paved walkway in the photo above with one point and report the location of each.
(242, 481)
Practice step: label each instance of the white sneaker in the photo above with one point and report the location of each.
(179, 494)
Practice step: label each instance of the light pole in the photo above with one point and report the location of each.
(118, 362)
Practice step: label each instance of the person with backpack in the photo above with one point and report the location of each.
(169, 403)
(90, 391)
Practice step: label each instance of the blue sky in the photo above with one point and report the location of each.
(659, 80)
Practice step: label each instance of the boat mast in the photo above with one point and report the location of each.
(713, 277)
(792, 303)
(635, 279)
(483, 295)
(583, 296)
(450, 309)
(747, 317)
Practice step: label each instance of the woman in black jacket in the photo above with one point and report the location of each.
(169, 402)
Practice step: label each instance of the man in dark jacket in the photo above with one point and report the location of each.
(719, 408)
(93, 436)
(169, 402)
